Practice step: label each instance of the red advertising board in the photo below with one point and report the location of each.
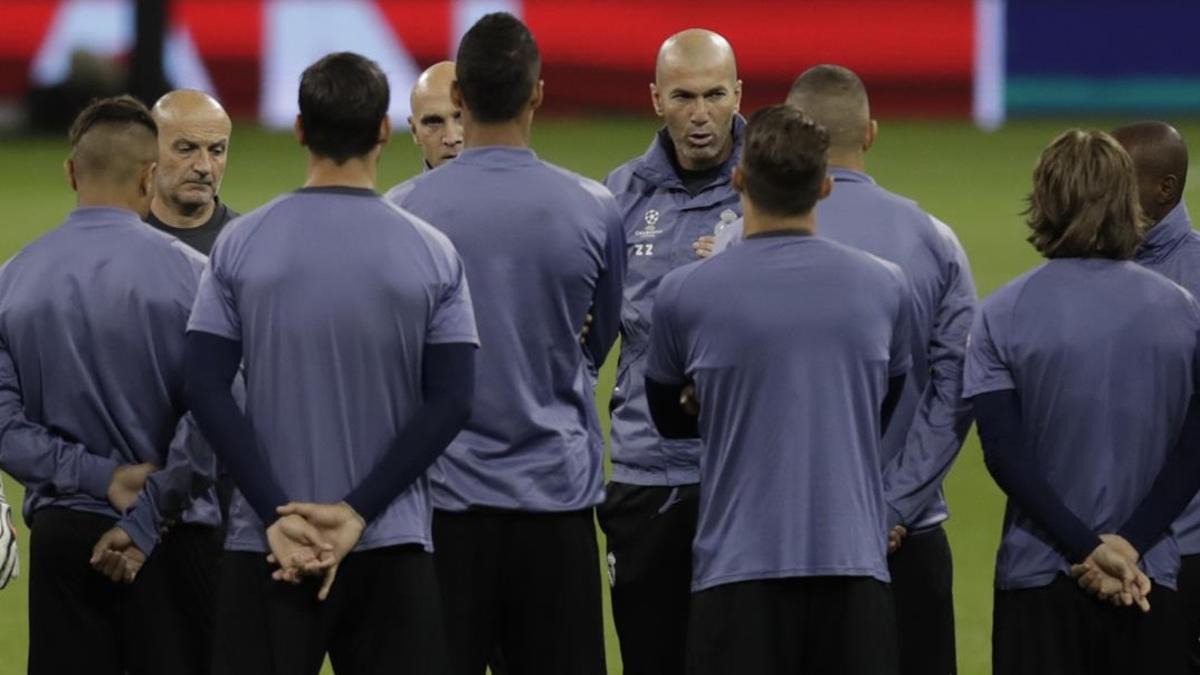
(916, 55)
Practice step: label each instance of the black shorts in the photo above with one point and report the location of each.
(1189, 594)
(1061, 629)
(843, 625)
(524, 584)
(922, 587)
(650, 531)
(80, 622)
(382, 617)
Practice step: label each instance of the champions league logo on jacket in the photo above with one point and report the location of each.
(650, 231)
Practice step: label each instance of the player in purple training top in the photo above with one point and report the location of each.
(797, 348)
(514, 526)
(1171, 248)
(673, 198)
(359, 340)
(92, 321)
(1082, 373)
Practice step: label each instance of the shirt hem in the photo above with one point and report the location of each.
(365, 545)
(874, 573)
(654, 477)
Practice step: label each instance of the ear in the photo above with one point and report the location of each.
(655, 101)
(69, 168)
(385, 130)
(1167, 189)
(456, 96)
(412, 129)
(146, 182)
(298, 129)
(826, 187)
(539, 95)
(737, 96)
(738, 179)
(872, 134)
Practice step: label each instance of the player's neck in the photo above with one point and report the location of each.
(515, 134)
(103, 197)
(757, 222)
(183, 221)
(854, 160)
(357, 172)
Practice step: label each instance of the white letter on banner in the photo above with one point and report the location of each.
(299, 32)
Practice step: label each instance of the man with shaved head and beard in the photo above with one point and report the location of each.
(193, 145)
(1171, 248)
(673, 200)
(931, 419)
(92, 332)
(435, 122)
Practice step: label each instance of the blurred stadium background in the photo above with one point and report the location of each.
(968, 92)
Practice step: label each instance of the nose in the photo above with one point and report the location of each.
(203, 165)
(454, 134)
(699, 113)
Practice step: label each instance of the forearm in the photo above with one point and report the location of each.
(667, 411)
(189, 472)
(212, 363)
(1176, 484)
(448, 375)
(890, 400)
(1014, 467)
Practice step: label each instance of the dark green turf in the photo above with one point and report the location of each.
(972, 180)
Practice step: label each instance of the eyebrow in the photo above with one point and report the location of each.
(429, 119)
(687, 92)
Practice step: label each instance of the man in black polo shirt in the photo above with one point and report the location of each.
(193, 143)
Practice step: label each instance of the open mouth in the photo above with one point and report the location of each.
(699, 139)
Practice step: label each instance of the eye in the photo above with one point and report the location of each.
(716, 95)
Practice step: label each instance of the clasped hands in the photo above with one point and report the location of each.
(1111, 574)
(312, 540)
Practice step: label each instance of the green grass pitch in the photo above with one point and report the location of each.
(972, 180)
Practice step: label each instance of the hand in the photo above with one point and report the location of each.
(298, 548)
(896, 538)
(339, 524)
(1111, 574)
(704, 246)
(126, 483)
(688, 400)
(117, 557)
(587, 328)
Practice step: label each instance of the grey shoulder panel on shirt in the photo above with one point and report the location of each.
(598, 191)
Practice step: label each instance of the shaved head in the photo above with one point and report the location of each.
(112, 141)
(695, 49)
(193, 141)
(187, 106)
(113, 153)
(697, 93)
(434, 83)
(1160, 158)
(835, 98)
(436, 123)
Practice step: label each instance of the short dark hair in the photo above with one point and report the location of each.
(343, 100)
(783, 161)
(835, 97)
(117, 110)
(497, 67)
(1084, 202)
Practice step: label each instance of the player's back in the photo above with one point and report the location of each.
(790, 340)
(332, 292)
(93, 314)
(532, 238)
(1101, 354)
